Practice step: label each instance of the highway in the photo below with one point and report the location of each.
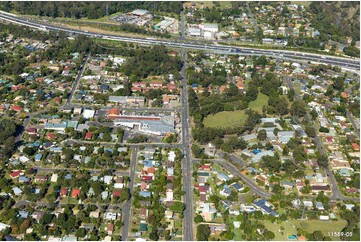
(187, 44)
(187, 164)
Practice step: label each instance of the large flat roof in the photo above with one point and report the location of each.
(140, 12)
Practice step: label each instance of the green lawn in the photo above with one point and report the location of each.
(307, 225)
(258, 104)
(324, 226)
(225, 119)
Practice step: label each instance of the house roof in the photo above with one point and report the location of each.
(63, 191)
(75, 192)
(114, 112)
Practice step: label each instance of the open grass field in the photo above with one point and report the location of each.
(258, 104)
(304, 3)
(307, 225)
(226, 119)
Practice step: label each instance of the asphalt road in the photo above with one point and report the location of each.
(162, 145)
(56, 204)
(76, 83)
(128, 205)
(280, 54)
(187, 164)
(236, 173)
(355, 127)
(252, 17)
(49, 170)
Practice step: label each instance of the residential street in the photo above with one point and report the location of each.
(336, 194)
(127, 209)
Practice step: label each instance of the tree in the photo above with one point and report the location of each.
(29, 151)
(324, 130)
(80, 233)
(316, 236)
(286, 150)
(298, 108)
(217, 142)
(232, 90)
(268, 235)
(198, 218)
(203, 232)
(46, 219)
(154, 236)
(262, 135)
(322, 161)
(24, 225)
(178, 207)
(299, 154)
(310, 131)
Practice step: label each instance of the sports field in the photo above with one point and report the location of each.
(226, 119)
(258, 104)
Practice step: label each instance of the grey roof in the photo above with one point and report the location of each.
(209, 25)
(164, 125)
(120, 99)
(140, 12)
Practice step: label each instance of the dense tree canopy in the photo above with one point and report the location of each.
(91, 10)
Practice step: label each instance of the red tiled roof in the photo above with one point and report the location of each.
(355, 146)
(51, 136)
(15, 174)
(113, 112)
(75, 192)
(147, 178)
(16, 108)
(63, 191)
(117, 193)
(110, 227)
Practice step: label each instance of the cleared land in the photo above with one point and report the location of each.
(307, 225)
(226, 119)
(258, 104)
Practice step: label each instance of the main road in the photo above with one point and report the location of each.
(187, 163)
(187, 44)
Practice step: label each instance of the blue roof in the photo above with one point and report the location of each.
(236, 186)
(145, 193)
(24, 179)
(68, 176)
(147, 163)
(38, 156)
(194, 85)
(251, 169)
(262, 204)
(56, 149)
(256, 151)
(108, 149)
(143, 227)
(23, 214)
(203, 173)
